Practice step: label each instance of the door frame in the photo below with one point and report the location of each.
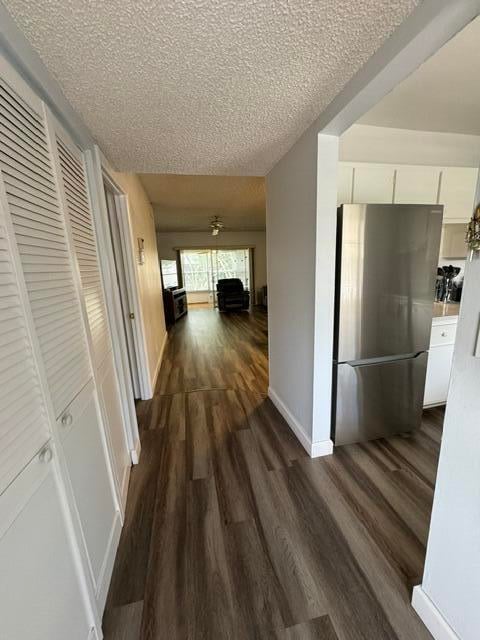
(132, 284)
(125, 289)
(94, 163)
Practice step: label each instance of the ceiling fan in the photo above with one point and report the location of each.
(216, 225)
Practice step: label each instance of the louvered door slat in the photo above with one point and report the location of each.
(23, 422)
(83, 235)
(30, 186)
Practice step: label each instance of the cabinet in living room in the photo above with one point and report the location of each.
(457, 193)
(416, 185)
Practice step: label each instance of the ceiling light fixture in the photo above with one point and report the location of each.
(216, 225)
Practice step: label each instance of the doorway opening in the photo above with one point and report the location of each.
(202, 269)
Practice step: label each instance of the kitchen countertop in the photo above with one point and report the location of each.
(444, 310)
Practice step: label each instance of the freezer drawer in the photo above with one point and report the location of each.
(378, 400)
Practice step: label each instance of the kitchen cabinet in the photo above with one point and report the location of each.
(457, 193)
(416, 185)
(345, 183)
(373, 184)
(40, 588)
(452, 245)
(440, 357)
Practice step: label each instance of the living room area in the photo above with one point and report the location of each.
(207, 278)
(209, 229)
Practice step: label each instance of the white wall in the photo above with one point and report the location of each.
(168, 241)
(150, 288)
(366, 143)
(291, 220)
(452, 570)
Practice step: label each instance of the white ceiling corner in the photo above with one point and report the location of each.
(211, 87)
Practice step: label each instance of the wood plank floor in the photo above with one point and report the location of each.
(232, 532)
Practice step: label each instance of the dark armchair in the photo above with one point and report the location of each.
(231, 295)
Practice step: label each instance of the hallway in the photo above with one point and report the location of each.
(231, 531)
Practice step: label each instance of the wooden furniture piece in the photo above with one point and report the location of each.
(175, 304)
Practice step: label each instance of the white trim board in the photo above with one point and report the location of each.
(431, 616)
(160, 360)
(314, 449)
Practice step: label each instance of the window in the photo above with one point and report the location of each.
(197, 270)
(169, 273)
(202, 268)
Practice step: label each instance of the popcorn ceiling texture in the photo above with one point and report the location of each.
(203, 86)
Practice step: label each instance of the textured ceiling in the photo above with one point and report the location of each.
(187, 203)
(441, 95)
(206, 86)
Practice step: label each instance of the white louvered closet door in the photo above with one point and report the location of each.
(71, 169)
(23, 420)
(83, 234)
(27, 172)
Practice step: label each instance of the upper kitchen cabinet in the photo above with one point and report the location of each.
(417, 185)
(453, 244)
(373, 184)
(345, 183)
(457, 193)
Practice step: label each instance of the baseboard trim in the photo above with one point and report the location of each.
(106, 571)
(159, 363)
(124, 489)
(431, 616)
(135, 453)
(322, 448)
(314, 449)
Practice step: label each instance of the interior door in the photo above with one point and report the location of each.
(76, 201)
(121, 275)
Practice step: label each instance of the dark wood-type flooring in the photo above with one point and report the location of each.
(232, 532)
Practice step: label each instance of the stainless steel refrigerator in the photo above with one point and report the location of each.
(387, 257)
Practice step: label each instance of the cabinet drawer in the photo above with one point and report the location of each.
(443, 334)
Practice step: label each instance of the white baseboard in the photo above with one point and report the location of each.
(159, 363)
(431, 616)
(322, 448)
(135, 453)
(314, 449)
(108, 562)
(124, 490)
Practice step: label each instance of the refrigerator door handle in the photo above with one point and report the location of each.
(385, 360)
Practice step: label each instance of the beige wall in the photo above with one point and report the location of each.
(143, 226)
(167, 241)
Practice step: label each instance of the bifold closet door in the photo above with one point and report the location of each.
(30, 181)
(71, 169)
(40, 587)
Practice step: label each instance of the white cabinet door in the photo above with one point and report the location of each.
(373, 184)
(452, 245)
(40, 592)
(110, 398)
(345, 184)
(457, 193)
(88, 471)
(417, 185)
(438, 375)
